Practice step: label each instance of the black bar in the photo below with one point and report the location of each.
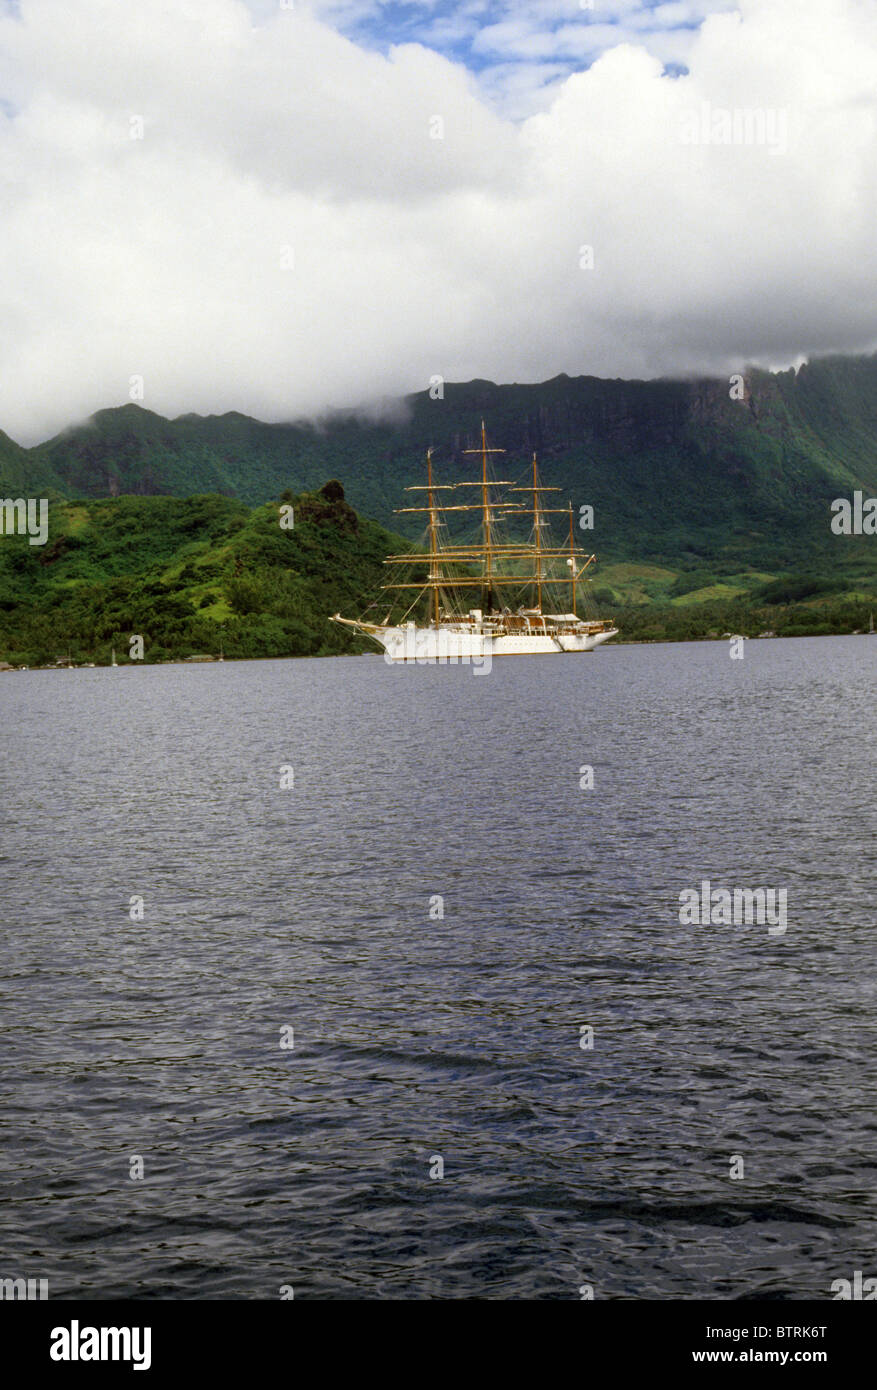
(613, 1337)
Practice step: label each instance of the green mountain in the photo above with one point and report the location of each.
(190, 576)
(24, 472)
(672, 466)
(706, 506)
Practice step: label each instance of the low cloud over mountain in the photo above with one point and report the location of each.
(213, 207)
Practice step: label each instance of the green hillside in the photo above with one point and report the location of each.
(191, 576)
(204, 575)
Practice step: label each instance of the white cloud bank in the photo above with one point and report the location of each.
(168, 257)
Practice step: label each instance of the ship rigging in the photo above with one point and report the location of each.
(497, 571)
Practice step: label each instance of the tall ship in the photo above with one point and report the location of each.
(512, 581)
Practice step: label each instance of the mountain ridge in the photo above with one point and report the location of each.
(676, 469)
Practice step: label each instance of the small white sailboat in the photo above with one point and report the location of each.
(113, 661)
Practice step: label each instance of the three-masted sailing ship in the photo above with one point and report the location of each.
(511, 580)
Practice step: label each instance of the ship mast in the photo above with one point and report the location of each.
(572, 561)
(486, 518)
(537, 527)
(539, 513)
(433, 538)
(449, 565)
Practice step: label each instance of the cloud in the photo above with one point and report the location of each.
(504, 42)
(251, 212)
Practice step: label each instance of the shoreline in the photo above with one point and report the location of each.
(320, 656)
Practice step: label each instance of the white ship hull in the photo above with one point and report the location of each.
(425, 646)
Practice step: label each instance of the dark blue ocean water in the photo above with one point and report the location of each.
(417, 1036)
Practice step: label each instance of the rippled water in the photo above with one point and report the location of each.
(415, 1037)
